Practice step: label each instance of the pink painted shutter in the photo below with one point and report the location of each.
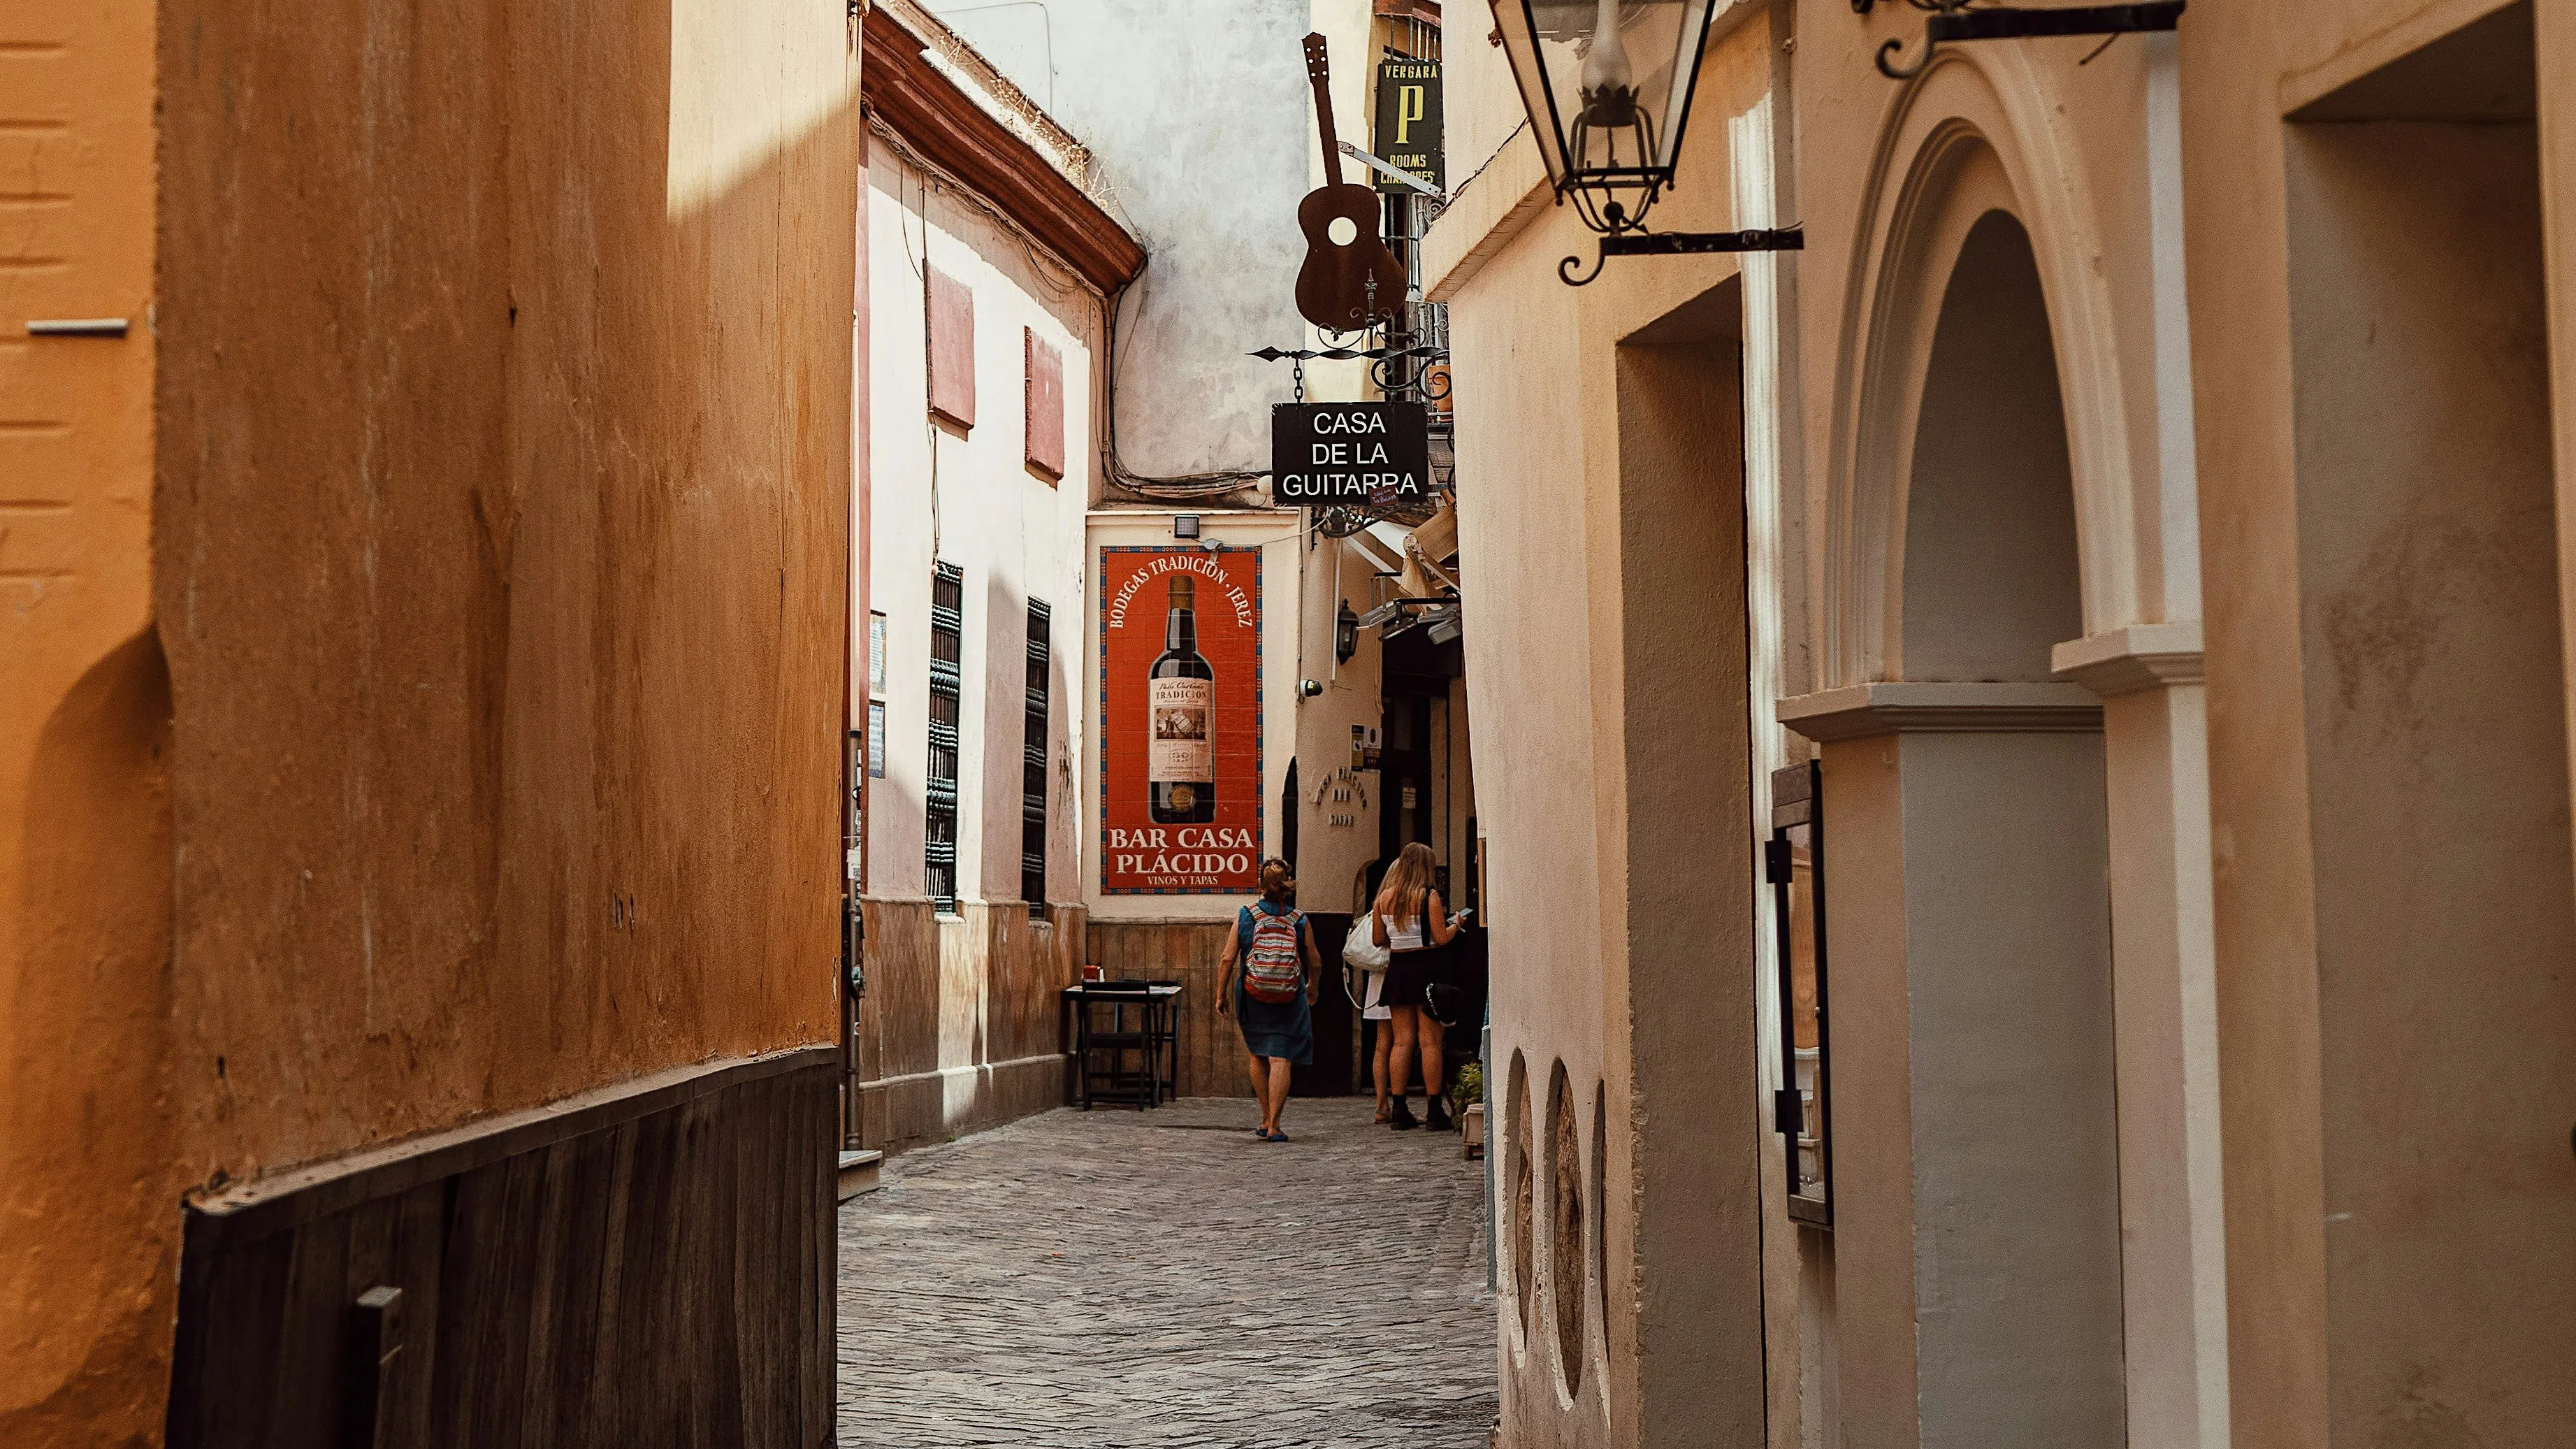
(952, 347)
(1045, 407)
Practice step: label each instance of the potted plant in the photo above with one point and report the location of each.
(1467, 1094)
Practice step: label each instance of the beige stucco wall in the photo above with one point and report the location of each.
(2300, 858)
(1600, 511)
(480, 458)
(958, 1027)
(1338, 807)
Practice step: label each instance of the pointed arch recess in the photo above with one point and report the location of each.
(1975, 132)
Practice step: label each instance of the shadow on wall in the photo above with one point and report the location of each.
(86, 1166)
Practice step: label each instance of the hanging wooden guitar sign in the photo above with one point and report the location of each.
(1344, 285)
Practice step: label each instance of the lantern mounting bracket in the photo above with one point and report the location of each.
(1679, 243)
(1954, 20)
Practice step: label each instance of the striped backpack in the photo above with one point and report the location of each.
(1273, 966)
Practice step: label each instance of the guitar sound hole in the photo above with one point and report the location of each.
(1343, 231)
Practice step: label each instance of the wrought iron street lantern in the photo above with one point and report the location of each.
(1608, 86)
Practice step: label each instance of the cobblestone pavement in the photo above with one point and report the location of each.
(1117, 1280)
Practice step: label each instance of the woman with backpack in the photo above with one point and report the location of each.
(1271, 976)
(1409, 922)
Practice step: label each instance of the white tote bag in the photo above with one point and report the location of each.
(1361, 948)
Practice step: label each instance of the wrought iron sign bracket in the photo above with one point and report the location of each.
(1680, 243)
(1954, 20)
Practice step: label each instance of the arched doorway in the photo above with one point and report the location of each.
(1977, 1200)
(2008, 921)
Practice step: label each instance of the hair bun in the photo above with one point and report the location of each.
(1278, 879)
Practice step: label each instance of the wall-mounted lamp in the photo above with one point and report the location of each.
(1346, 633)
(1185, 525)
(1608, 88)
(1312, 688)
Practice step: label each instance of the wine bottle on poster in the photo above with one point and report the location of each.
(1180, 712)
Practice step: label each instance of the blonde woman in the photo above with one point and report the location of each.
(1412, 926)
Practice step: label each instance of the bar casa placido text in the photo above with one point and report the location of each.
(1190, 854)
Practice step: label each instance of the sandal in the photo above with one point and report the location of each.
(1278, 1136)
(1385, 1114)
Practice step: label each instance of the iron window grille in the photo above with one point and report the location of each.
(1033, 782)
(1793, 865)
(939, 791)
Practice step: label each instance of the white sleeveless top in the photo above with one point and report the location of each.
(1404, 938)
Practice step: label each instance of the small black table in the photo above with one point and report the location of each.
(1152, 1038)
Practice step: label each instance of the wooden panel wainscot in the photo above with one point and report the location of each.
(651, 1264)
(1211, 1048)
(960, 1027)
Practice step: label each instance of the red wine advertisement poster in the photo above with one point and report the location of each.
(1180, 720)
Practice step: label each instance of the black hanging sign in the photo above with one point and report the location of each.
(1349, 452)
(1408, 122)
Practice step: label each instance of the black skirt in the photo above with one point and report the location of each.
(1409, 974)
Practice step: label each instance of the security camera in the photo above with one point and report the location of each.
(1310, 687)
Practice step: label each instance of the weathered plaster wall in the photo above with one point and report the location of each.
(2435, 741)
(504, 511)
(1198, 119)
(2301, 870)
(86, 1179)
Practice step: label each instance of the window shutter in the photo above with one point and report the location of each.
(947, 679)
(952, 347)
(1045, 410)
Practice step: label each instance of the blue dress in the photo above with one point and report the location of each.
(1274, 1028)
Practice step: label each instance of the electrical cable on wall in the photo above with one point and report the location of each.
(1183, 487)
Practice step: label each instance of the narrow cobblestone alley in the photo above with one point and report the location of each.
(1160, 1279)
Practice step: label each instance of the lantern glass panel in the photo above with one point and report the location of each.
(1607, 82)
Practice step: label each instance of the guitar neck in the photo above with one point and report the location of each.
(1324, 120)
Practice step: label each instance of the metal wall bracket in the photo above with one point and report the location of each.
(1952, 20)
(76, 327)
(1679, 243)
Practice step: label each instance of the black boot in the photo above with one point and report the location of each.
(1404, 1121)
(1437, 1118)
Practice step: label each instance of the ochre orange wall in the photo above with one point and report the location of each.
(88, 1247)
(502, 537)
(490, 496)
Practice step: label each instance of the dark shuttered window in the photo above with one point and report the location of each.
(947, 650)
(1033, 783)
